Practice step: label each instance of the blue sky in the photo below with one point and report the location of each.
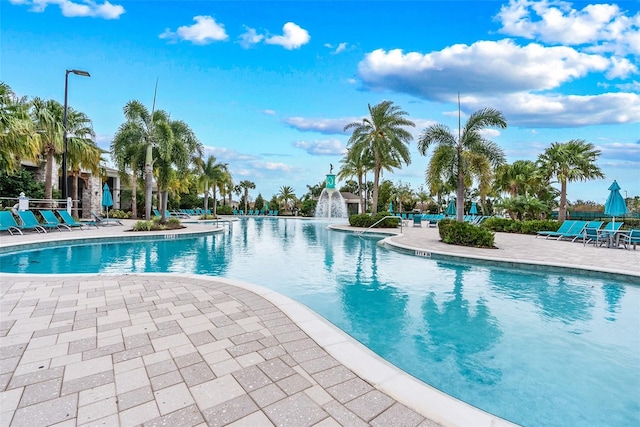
(268, 86)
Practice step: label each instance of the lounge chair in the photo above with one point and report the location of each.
(630, 238)
(417, 220)
(51, 220)
(564, 227)
(71, 222)
(30, 222)
(8, 223)
(576, 231)
(100, 221)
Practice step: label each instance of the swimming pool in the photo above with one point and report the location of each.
(534, 348)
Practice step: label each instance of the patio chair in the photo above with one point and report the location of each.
(71, 222)
(51, 220)
(630, 238)
(564, 227)
(103, 222)
(417, 220)
(8, 223)
(593, 235)
(30, 222)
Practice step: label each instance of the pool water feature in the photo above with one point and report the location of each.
(534, 348)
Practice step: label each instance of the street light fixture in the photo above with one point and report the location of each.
(65, 187)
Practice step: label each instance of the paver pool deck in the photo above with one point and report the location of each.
(187, 350)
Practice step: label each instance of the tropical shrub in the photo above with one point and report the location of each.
(523, 227)
(224, 210)
(465, 234)
(117, 213)
(365, 220)
(143, 226)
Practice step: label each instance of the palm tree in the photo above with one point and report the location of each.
(383, 139)
(177, 146)
(574, 160)
(465, 157)
(82, 151)
(128, 153)
(518, 178)
(211, 174)
(246, 185)
(356, 164)
(286, 193)
(149, 130)
(48, 119)
(18, 137)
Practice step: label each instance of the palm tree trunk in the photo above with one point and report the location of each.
(562, 211)
(214, 202)
(164, 197)
(246, 200)
(362, 191)
(376, 180)
(48, 176)
(460, 197)
(148, 172)
(74, 191)
(134, 199)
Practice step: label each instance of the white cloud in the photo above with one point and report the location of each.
(250, 37)
(70, 9)
(506, 67)
(269, 112)
(292, 38)
(326, 126)
(206, 30)
(549, 111)
(522, 81)
(327, 147)
(337, 49)
(604, 26)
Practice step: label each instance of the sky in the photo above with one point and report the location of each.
(268, 86)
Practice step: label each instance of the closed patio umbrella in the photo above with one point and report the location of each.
(391, 207)
(474, 209)
(107, 200)
(451, 209)
(615, 205)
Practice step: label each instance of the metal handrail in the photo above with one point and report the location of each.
(360, 233)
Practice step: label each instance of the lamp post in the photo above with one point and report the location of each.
(65, 187)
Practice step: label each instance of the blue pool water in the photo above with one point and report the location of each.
(535, 348)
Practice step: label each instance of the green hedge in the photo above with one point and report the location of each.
(523, 227)
(465, 234)
(366, 221)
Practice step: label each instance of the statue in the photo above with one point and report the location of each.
(330, 168)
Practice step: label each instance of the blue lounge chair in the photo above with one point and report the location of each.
(576, 230)
(71, 222)
(564, 227)
(51, 220)
(99, 220)
(630, 238)
(8, 223)
(417, 220)
(29, 221)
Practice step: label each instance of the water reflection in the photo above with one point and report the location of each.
(366, 297)
(612, 294)
(458, 330)
(557, 298)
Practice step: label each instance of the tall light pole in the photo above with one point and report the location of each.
(65, 187)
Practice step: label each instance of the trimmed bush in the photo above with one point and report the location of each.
(465, 234)
(366, 221)
(523, 227)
